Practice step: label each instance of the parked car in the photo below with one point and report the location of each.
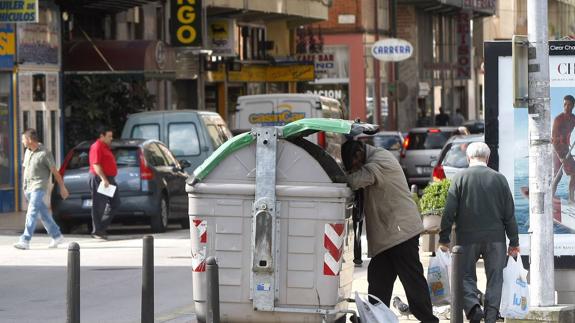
(390, 140)
(453, 158)
(420, 148)
(475, 126)
(190, 134)
(151, 184)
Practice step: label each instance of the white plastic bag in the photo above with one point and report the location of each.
(515, 292)
(438, 274)
(370, 313)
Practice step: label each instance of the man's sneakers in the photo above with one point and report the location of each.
(54, 242)
(25, 245)
(22, 245)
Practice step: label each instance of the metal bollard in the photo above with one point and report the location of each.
(73, 291)
(456, 285)
(148, 280)
(213, 291)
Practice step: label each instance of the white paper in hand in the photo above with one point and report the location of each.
(108, 191)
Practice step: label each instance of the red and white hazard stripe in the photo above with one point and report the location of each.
(333, 243)
(199, 237)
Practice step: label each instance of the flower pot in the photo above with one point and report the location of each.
(432, 221)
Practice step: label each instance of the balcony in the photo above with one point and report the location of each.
(480, 8)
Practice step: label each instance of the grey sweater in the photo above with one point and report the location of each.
(481, 205)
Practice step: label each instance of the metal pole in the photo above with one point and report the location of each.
(73, 291)
(540, 199)
(148, 280)
(456, 285)
(376, 73)
(213, 291)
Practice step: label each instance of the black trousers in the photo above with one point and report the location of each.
(103, 207)
(403, 261)
(357, 225)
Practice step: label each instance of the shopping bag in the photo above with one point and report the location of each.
(373, 313)
(438, 274)
(515, 292)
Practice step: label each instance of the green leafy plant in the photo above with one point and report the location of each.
(434, 197)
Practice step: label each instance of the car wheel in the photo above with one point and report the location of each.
(159, 221)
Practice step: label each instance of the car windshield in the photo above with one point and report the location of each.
(388, 142)
(125, 156)
(456, 156)
(427, 140)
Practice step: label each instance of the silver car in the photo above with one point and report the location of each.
(453, 156)
(421, 148)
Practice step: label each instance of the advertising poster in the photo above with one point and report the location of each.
(513, 136)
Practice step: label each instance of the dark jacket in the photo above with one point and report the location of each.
(481, 205)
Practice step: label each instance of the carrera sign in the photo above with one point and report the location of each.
(392, 50)
(186, 23)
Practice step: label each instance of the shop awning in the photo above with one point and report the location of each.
(120, 57)
(446, 7)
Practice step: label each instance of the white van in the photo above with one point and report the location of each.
(280, 109)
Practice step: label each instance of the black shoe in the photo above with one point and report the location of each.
(358, 262)
(475, 315)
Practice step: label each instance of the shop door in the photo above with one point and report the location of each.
(6, 145)
(39, 103)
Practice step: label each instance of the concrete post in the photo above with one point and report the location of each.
(147, 309)
(213, 291)
(540, 200)
(73, 291)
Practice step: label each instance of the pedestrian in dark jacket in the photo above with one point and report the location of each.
(480, 203)
(393, 225)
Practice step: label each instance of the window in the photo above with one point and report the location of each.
(154, 156)
(171, 159)
(183, 139)
(79, 159)
(40, 126)
(456, 156)
(126, 157)
(427, 140)
(387, 142)
(218, 134)
(146, 131)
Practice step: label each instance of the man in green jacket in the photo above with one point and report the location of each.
(480, 203)
(393, 225)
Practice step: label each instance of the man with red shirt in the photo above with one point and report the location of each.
(103, 169)
(563, 125)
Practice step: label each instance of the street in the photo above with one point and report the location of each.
(33, 285)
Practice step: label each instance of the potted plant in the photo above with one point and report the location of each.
(432, 203)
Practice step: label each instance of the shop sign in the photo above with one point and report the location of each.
(7, 46)
(324, 62)
(392, 50)
(221, 37)
(18, 11)
(186, 16)
(463, 44)
(39, 43)
(261, 73)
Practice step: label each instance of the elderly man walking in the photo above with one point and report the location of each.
(480, 203)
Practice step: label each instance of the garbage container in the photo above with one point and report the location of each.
(272, 208)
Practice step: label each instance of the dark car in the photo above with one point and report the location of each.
(421, 147)
(475, 126)
(151, 184)
(453, 156)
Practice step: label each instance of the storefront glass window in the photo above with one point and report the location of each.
(5, 138)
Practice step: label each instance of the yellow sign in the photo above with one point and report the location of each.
(7, 43)
(187, 23)
(262, 73)
(276, 119)
(13, 11)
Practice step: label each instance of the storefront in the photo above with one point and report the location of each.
(7, 133)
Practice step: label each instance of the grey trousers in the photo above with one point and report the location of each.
(494, 257)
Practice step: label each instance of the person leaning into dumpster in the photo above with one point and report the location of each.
(480, 203)
(392, 223)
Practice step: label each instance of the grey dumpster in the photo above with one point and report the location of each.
(269, 207)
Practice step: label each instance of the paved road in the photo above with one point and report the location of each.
(33, 282)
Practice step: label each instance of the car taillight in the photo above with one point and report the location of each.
(321, 139)
(434, 130)
(405, 144)
(146, 172)
(66, 162)
(438, 173)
